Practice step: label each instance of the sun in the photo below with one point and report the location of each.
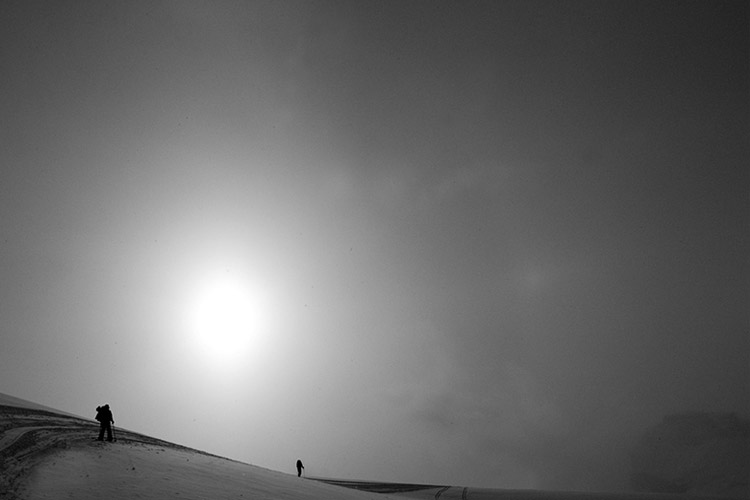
(227, 319)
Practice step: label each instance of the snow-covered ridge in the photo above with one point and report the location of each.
(46, 454)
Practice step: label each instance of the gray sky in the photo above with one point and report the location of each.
(451, 242)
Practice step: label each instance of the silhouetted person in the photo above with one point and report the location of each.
(104, 416)
(299, 468)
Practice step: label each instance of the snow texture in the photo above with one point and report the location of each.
(45, 454)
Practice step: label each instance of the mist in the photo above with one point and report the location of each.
(489, 243)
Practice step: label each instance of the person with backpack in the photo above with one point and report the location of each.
(104, 416)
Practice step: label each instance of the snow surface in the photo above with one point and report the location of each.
(45, 454)
(138, 470)
(48, 455)
(6, 400)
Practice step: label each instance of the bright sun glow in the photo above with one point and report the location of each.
(227, 319)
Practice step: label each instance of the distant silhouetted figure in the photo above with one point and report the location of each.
(299, 468)
(104, 416)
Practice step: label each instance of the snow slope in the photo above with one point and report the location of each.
(142, 470)
(6, 400)
(45, 454)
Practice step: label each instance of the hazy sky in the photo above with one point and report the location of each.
(452, 242)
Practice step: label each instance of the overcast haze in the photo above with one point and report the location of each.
(484, 243)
